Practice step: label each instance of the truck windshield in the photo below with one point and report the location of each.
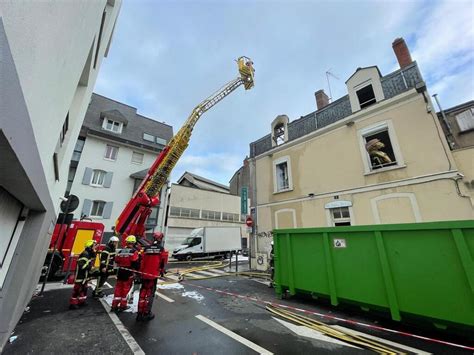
(187, 241)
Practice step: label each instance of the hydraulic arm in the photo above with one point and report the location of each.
(133, 217)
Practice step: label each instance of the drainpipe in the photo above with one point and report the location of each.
(445, 120)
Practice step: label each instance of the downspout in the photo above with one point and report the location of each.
(450, 136)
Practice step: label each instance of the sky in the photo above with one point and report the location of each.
(168, 56)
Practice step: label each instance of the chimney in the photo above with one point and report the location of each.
(402, 52)
(322, 99)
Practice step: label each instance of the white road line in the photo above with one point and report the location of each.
(219, 271)
(382, 340)
(173, 277)
(164, 297)
(234, 336)
(108, 285)
(132, 344)
(208, 273)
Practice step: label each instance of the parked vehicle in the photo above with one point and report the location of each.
(210, 241)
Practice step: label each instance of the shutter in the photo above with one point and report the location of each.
(108, 179)
(465, 121)
(86, 179)
(107, 210)
(86, 207)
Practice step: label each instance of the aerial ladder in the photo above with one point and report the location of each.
(133, 217)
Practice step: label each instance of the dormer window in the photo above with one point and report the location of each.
(366, 96)
(279, 134)
(280, 130)
(112, 126)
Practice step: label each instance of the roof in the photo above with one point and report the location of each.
(393, 84)
(139, 174)
(362, 68)
(460, 107)
(134, 125)
(202, 183)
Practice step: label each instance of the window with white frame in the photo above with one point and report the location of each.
(97, 178)
(97, 209)
(465, 120)
(184, 212)
(137, 158)
(366, 96)
(112, 126)
(111, 152)
(380, 147)
(282, 174)
(214, 215)
(279, 133)
(340, 216)
(149, 137)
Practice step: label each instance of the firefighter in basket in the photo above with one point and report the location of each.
(127, 261)
(82, 276)
(152, 266)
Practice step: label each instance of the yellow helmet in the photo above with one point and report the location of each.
(131, 239)
(90, 243)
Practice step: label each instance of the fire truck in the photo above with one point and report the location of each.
(68, 238)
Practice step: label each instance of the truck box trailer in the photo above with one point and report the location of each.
(210, 241)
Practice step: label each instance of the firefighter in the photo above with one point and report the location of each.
(83, 268)
(151, 268)
(127, 260)
(107, 257)
(272, 265)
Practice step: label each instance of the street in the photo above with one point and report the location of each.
(227, 315)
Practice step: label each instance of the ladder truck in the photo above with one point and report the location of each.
(133, 217)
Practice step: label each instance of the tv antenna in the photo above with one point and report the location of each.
(328, 74)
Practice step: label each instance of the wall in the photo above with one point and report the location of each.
(121, 189)
(45, 51)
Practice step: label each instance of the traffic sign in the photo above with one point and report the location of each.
(249, 221)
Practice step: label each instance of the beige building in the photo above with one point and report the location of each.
(196, 202)
(377, 155)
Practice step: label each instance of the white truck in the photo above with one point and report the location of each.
(210, 242)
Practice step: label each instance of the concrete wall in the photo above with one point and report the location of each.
(178, 228)
(121, 189)
(47, 71)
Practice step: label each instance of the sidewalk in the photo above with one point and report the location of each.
(49, 327)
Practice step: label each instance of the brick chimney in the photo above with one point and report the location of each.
(322, 99)
(402, 52)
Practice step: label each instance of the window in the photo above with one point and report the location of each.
(56, 166)
(282, 176)
(137, 158)
(160, 141)
(112, 126)
(211, 215)
(100, 37)
(380, 150)
(340, 216)
(97, 209)
(465, 120)
(279, 134)
(231, 217)
(76, 155)
(184, 212)
(149, 137)
(97, 178)
(70, 179)
(62, 134)
(111, 152)
(366, 96)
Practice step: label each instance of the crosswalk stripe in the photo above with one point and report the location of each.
(207, 273)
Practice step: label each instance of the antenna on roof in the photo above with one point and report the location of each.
(328, 74)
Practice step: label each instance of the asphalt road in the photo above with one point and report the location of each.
(227, 315)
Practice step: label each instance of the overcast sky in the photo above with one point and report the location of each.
(167, 56)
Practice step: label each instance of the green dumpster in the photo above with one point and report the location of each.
(422, 269)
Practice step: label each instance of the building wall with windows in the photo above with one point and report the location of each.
(50, 53)
(377, 155)
(192, 207)
(115, 150)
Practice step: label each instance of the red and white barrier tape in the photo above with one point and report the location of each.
(332, 317)
(138, 272)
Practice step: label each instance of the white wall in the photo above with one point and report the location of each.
(51, 43)
(121, 188)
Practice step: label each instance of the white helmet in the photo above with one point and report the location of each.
(113, 239)
(271, 242)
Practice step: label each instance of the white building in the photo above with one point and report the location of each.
(50, 54)
(196, 202)
(115, 149)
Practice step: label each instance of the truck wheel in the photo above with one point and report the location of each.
(227, 255)
(189, 257)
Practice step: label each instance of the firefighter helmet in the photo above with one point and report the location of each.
(113, 239)
(89, 243)
(131, 239)
(158, 236)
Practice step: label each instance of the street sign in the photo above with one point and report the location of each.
(243, 200)
(249, 221)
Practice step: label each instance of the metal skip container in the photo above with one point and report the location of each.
(422, 269)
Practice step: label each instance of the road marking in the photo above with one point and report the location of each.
(219, 271)
(108, 285)
(382, 340)
(234, 336)
(173, 277)
(164, 297)
(301, 330)
(208, 273)
(129, 339)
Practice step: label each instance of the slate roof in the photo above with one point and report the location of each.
(202, 183)
(392, 84)
(134, 124)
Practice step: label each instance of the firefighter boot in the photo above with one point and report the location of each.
(149, 316)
